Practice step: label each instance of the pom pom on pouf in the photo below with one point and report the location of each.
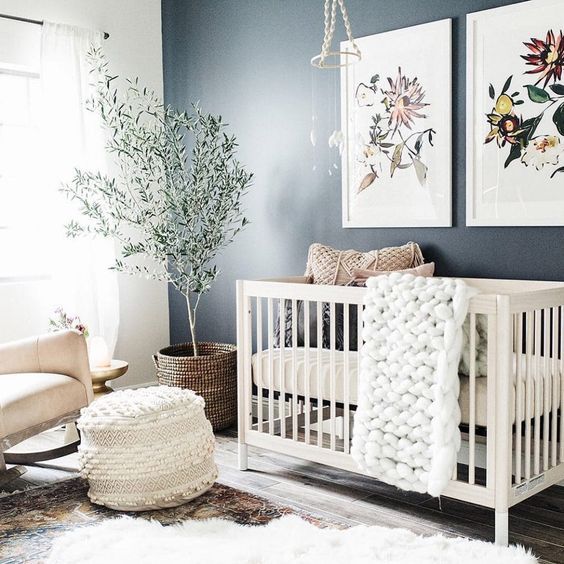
(146, 449)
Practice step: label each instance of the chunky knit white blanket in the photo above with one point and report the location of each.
(406, 425)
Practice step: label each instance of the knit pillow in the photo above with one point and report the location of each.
(361, 276)
(326, 265)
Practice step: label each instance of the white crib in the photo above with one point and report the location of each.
(299, 400)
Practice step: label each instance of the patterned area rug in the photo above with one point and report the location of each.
(29, 521)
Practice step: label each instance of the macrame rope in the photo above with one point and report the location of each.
(337, 269)
(330, 21)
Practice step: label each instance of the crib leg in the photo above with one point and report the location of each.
(502, 528)
(243, 456)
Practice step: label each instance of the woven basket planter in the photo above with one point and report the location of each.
(212, 374)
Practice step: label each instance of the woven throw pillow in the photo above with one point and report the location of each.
(326, 265)
(361, 276)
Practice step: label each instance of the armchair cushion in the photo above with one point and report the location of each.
(63, 352)
(42, 379)
(29, 399)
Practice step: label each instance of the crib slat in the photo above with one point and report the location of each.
(537, 380)
(270, 321)
(307, 373)
(554, 380)
(491, 402)
(359, 340)
(359, 333)
(294, 372)
(259, 363)
(561, 383)
(546, 390)
(528, 392)
(518, 394)
(346, 380)
(319, 325)
(472, 407)
(282, 368)
(359, 344)
(332, 384)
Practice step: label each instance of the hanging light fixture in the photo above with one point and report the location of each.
(352, 55)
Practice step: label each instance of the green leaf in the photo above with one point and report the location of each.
(507, 84)
(419, 143)
(530, 126)
(396, 158)
(558, 119)
(375, 78)
(515, 153)
(537, 94)
(420, 170)
(557, 89)
(492, 91)
(366, 182)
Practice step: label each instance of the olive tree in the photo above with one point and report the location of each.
(176, 197)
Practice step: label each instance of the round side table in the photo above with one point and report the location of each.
(101, 374)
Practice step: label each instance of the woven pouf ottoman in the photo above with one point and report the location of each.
(146, 449)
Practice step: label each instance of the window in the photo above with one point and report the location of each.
(24, 247)
(24, 244)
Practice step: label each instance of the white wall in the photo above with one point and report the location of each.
(133, 49)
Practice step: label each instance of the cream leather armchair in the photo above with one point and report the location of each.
(44, 382)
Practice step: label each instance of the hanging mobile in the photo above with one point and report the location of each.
(333, 59)
(320, 61)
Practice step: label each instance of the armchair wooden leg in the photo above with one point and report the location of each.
(29, 458)
(71, 442)
(71, 433)
(9, 474)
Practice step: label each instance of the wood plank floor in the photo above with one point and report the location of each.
(537, 523)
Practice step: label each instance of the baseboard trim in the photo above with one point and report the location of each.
(136, 386)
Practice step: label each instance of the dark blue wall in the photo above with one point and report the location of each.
(249, 61)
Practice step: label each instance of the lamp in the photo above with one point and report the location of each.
(99, 353)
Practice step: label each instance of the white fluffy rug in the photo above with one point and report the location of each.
(288, 540)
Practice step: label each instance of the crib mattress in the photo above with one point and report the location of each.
(295, 382)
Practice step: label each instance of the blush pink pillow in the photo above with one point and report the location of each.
(360, 276)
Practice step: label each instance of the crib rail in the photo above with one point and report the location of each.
(537, 437)
(299, 362)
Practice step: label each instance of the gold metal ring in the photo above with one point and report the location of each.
(319, 60)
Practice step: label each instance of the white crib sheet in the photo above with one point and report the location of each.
(325, 373)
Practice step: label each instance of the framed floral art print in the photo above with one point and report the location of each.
(396, 121)
(515, 115)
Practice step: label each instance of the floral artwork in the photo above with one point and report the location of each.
(515, 122)
(520, 134)
(394, 141)
(396, 119)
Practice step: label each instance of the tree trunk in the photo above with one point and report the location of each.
(192, 323)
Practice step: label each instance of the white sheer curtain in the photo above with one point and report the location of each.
(73, 138)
